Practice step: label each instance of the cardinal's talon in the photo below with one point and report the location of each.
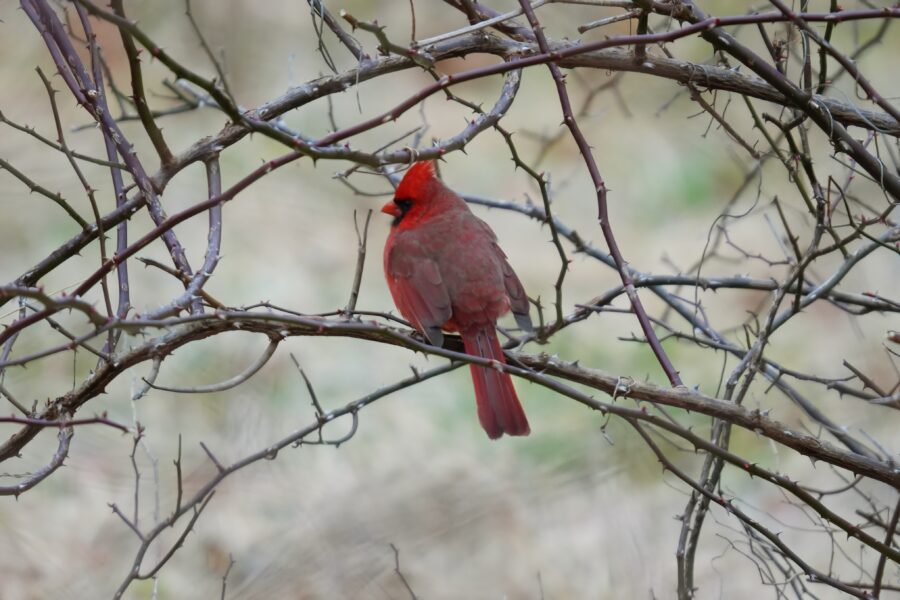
(434, 336)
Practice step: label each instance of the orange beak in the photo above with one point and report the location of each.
(392, 209)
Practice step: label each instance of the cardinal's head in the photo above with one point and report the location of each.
(418, 190)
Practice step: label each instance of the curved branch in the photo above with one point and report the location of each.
(65, 437)
(228, 383)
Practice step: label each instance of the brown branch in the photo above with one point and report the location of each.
(731, 508)
(710, 77)
(804, 101)
(138, 95)
(65, 438)
(65, 423)
(878, 585)
(603, 212)
(800, 21)
(361, 239)
(56, 198)
(194, 327)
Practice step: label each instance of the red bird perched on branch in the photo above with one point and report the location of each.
(446, 272)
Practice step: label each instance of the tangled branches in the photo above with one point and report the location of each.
(806, 231)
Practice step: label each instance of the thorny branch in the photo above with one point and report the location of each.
(827, 122)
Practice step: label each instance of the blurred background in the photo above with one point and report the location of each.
(565, 513)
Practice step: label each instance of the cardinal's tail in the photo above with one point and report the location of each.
(499, 409)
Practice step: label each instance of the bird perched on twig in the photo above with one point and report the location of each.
(446, 272)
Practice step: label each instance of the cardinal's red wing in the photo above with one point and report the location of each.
(518, 299)
(418, 289)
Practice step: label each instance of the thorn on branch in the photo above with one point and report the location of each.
(212, 457)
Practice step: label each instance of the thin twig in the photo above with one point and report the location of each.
(361, 239)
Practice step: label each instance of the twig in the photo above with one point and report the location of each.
(137, 89)
(101, 419)
(878, 585)
(62, 452)
(36, 187)
(361, 239)
(733, 509)
(220, 71)
(212, 457)
(231, 562)
(228, 383)
(399, 573)
(348, 41)
(320, 413)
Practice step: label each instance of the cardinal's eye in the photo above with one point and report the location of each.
(403, 204)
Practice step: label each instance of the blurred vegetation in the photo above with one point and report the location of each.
(568, 512)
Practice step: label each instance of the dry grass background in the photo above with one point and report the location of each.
(560, 514)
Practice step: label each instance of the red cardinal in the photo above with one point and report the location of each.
(446, 271)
